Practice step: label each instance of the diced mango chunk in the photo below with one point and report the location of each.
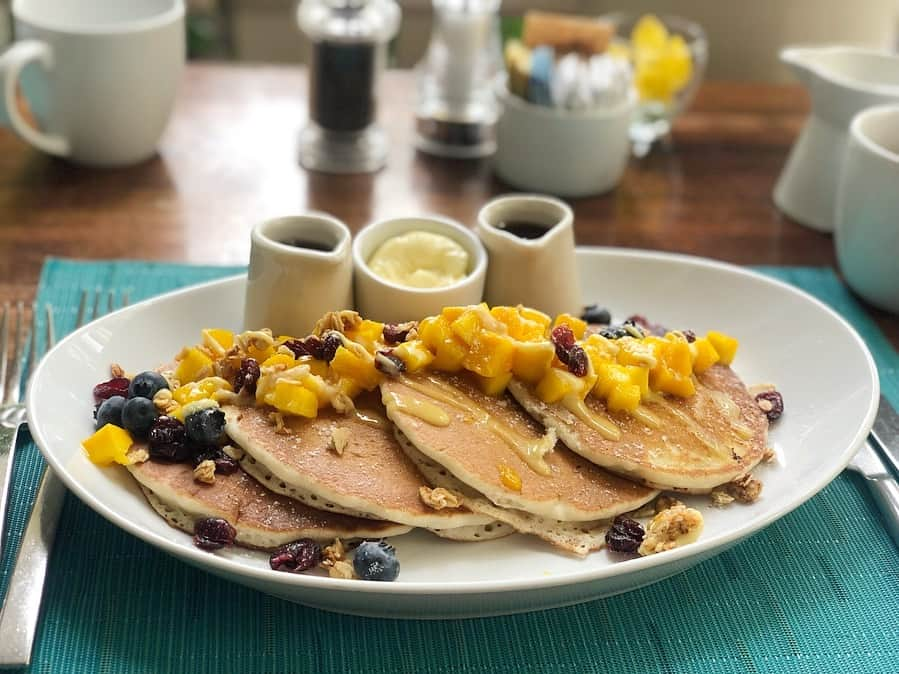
(725, 345)
(293, 398)
(494, 386)
(534, 315)
(576, 324)
(466, 327)
(224, 338)
(532, 360)
(367, 333)
(199, 390)
(490, 354)
(509, 477)
(348, 364)
(108, 445)
(555, 385)
(704, 354)
(414, 354)
(279, 359)
(624, 398)
(192, 365)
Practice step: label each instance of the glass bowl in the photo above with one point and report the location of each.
(665, 83)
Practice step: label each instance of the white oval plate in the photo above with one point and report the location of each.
(822, 367)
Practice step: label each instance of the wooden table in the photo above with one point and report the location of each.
(228, 160)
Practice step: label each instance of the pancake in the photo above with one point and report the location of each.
(263, 519)
(580, 538)
(372, 477)
(453, 423)
(700, 442)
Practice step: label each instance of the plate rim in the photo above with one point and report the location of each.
(234, 567)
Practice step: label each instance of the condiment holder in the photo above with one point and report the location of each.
(530, 243)
(380, 299)
(300, 268)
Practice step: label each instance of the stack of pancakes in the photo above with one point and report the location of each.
(369, 473)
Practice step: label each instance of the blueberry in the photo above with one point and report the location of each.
(596, 315)
(376, 560)
(205, 427)
(146, 385)
(138, 416)
(110, 411)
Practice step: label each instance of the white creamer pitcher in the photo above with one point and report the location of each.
(841, 81)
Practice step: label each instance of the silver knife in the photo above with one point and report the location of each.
(886, 433)
(884, 489)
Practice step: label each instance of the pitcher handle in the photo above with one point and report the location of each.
(12, 62)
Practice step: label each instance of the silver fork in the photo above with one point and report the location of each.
(21, 609)
(12, 411)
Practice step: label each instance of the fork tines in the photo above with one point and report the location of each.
(97, 309)
(16, 322)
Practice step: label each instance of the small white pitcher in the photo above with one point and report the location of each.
(841, 81)
(300, 268)
(867, 212)
(538, 272)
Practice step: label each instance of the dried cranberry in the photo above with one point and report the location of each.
(247, 376)
(117, 386)
(389, 363)
(563, 338)
(771, 403)
(689, 335)
(330, 344)
(395, 333)
(625, 535)
(297, 556)
(167, 440)
(213, 533)
(224, 464)
(311, 346)
(577, 361)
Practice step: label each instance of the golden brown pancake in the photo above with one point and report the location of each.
(262, 518)
(580, 538)
(700, 442)
(371, 478)
(470, 448)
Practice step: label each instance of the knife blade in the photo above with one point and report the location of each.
(883, 486)
(885, 433)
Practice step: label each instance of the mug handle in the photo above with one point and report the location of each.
(12, 62)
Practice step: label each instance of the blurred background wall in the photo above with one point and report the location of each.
(744, 36)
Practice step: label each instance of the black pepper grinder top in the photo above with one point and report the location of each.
(349, 39)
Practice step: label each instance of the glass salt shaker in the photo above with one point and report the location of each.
(457, 107)
(349, 46)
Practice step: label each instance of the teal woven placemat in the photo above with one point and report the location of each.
(817, 591)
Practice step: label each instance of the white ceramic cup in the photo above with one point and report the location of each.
(867, 207)
(540, 272)
(382, 300)
(562, 152)
(109, 73)
(290, 287)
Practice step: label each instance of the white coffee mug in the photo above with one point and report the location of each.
(867, 209)
(110, 69)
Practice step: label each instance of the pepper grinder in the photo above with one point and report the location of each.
(457, 108)
(349, 47)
